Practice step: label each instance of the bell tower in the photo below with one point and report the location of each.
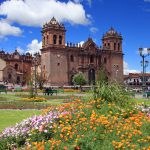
(112, 40)
(53, 34)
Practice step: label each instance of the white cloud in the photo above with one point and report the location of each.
(127, 70)
(90, 2)
(7, 29)
(146, 0)
(37, 12)
(20, 50)
(34, 47)
(81, 43)
(80, 1)
(93, 29)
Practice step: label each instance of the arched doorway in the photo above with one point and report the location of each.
(18, 79)
(91, 75)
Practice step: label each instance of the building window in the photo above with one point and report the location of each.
(44, 40)
(54, 39)
(108, 45)
(60, 39)
(118, 46)
(18, 79)
(71, 58)
(91, 59)
(9, 76)
(114, 46)
(105, 60)
(16, 67)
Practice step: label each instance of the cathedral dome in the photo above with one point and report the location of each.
(112, 33)
(53, 23)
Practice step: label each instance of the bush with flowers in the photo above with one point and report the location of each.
(36, 128)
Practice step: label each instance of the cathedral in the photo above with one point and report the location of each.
(61, 61)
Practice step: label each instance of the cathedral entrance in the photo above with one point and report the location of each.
(91, 75)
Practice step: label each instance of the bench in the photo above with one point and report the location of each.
(49, 92)
(52, 92)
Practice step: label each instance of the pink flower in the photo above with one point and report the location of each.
(41, 128)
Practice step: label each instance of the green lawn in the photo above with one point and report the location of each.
(141, 101)
(11, 117)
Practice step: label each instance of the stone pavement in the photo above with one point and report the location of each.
(58, 94)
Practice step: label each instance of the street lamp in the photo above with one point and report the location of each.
(35, 61)
(144, 63)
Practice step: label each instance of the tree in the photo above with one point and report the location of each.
(40, 81)
(79, 79)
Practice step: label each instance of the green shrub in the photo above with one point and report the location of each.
(111, 92)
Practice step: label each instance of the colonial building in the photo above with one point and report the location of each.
(135, 80)
(2, 66)
(15, 68)
(60, 61)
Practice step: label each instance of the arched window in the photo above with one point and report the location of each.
(71, 58)
(54, 39)
(18, 79)
(108, 45)
(105, 60)
(9, 76)
(16, 67)
(118, 46)
(114, 46)
(60, 39)
(91, 59)
(44, 40)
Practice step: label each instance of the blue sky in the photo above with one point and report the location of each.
(21, 21)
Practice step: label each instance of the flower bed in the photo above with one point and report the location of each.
(94, 124)
(35, 99)
(71, 90)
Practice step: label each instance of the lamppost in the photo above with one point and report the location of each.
(35, 61)
(144, 63)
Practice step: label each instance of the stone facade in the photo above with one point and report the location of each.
(60, 61)
(18, 67)
(2, 66)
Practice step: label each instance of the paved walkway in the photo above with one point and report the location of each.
(58, 94)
